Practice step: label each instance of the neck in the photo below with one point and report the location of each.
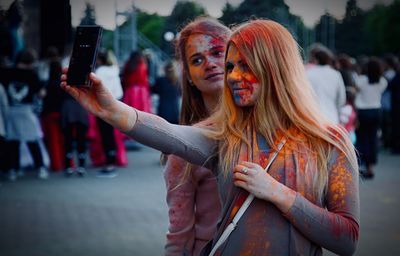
(211, 102)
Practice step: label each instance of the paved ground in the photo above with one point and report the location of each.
(127, 215)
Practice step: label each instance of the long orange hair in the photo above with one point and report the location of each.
(286, 103)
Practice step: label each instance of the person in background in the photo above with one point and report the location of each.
(152, 67)
(370, 88)
(22, 85)
(135, 83)
(168, 89)
(348, 114)
(268, 139)
(15, 18)
(394, 86)
(108, 71)
(346, 70)
(4, 164)
(327, 83)
(51, 112)
(391, 65)
(74, 124)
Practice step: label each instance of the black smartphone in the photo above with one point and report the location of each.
(83, 57)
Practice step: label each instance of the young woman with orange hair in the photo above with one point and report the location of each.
(308, 198)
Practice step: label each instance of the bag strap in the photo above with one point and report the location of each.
(228, 230)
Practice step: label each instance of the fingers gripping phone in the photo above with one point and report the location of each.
(83, 57)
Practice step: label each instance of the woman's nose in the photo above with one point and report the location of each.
(210, 64)
(234, 75)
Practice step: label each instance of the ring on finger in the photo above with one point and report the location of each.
(244, 170)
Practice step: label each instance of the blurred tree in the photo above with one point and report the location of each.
(351, 36)
(107, 39)
(151, 25)
(228, 14)
(382, 26)
(276, 10)
(89, 17)
(182, 13)
(326, 30)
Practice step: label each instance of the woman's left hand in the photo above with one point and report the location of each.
(255, 180)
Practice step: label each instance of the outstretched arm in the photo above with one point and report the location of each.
(99, 101)
(187, 142)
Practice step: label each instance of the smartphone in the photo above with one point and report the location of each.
(83, 57)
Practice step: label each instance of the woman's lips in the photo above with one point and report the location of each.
(214, 76)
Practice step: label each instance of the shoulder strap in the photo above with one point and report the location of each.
(228, 230)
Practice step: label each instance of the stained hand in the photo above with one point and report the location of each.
(255, 180)
(96, 99)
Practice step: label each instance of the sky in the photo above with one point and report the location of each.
(309, 10)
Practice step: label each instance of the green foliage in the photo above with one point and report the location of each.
(182, 13)
(382, 26)
(349, 34)
(376, 31)
(228, 14)
(151, 25)
(275, 10)
(107, 40)
(325, 30)
(89, 17)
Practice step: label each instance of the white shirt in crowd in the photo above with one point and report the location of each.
(329, 90)
(369, 95)
(109, 75)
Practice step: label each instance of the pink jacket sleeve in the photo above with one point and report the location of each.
(181, 212)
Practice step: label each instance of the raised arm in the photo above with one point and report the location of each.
(187, 142)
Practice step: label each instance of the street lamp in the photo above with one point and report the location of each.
(169, 36)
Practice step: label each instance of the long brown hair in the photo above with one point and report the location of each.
(193, 108)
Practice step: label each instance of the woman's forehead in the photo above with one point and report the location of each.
(233, 53)
(202, 42)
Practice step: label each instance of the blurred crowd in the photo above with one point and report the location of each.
(36, 114)
(361, 94)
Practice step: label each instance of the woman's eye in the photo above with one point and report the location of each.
(196, 61)
(229, 67)
(218, 53)
(244, 67)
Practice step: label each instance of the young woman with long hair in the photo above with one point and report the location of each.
(370, 88)
(192, 196)
(308, 196)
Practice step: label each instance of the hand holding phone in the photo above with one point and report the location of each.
(83, 57)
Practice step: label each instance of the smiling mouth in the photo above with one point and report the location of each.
(239, 89)
(213, 75)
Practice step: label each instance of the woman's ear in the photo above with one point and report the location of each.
(190, 81)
